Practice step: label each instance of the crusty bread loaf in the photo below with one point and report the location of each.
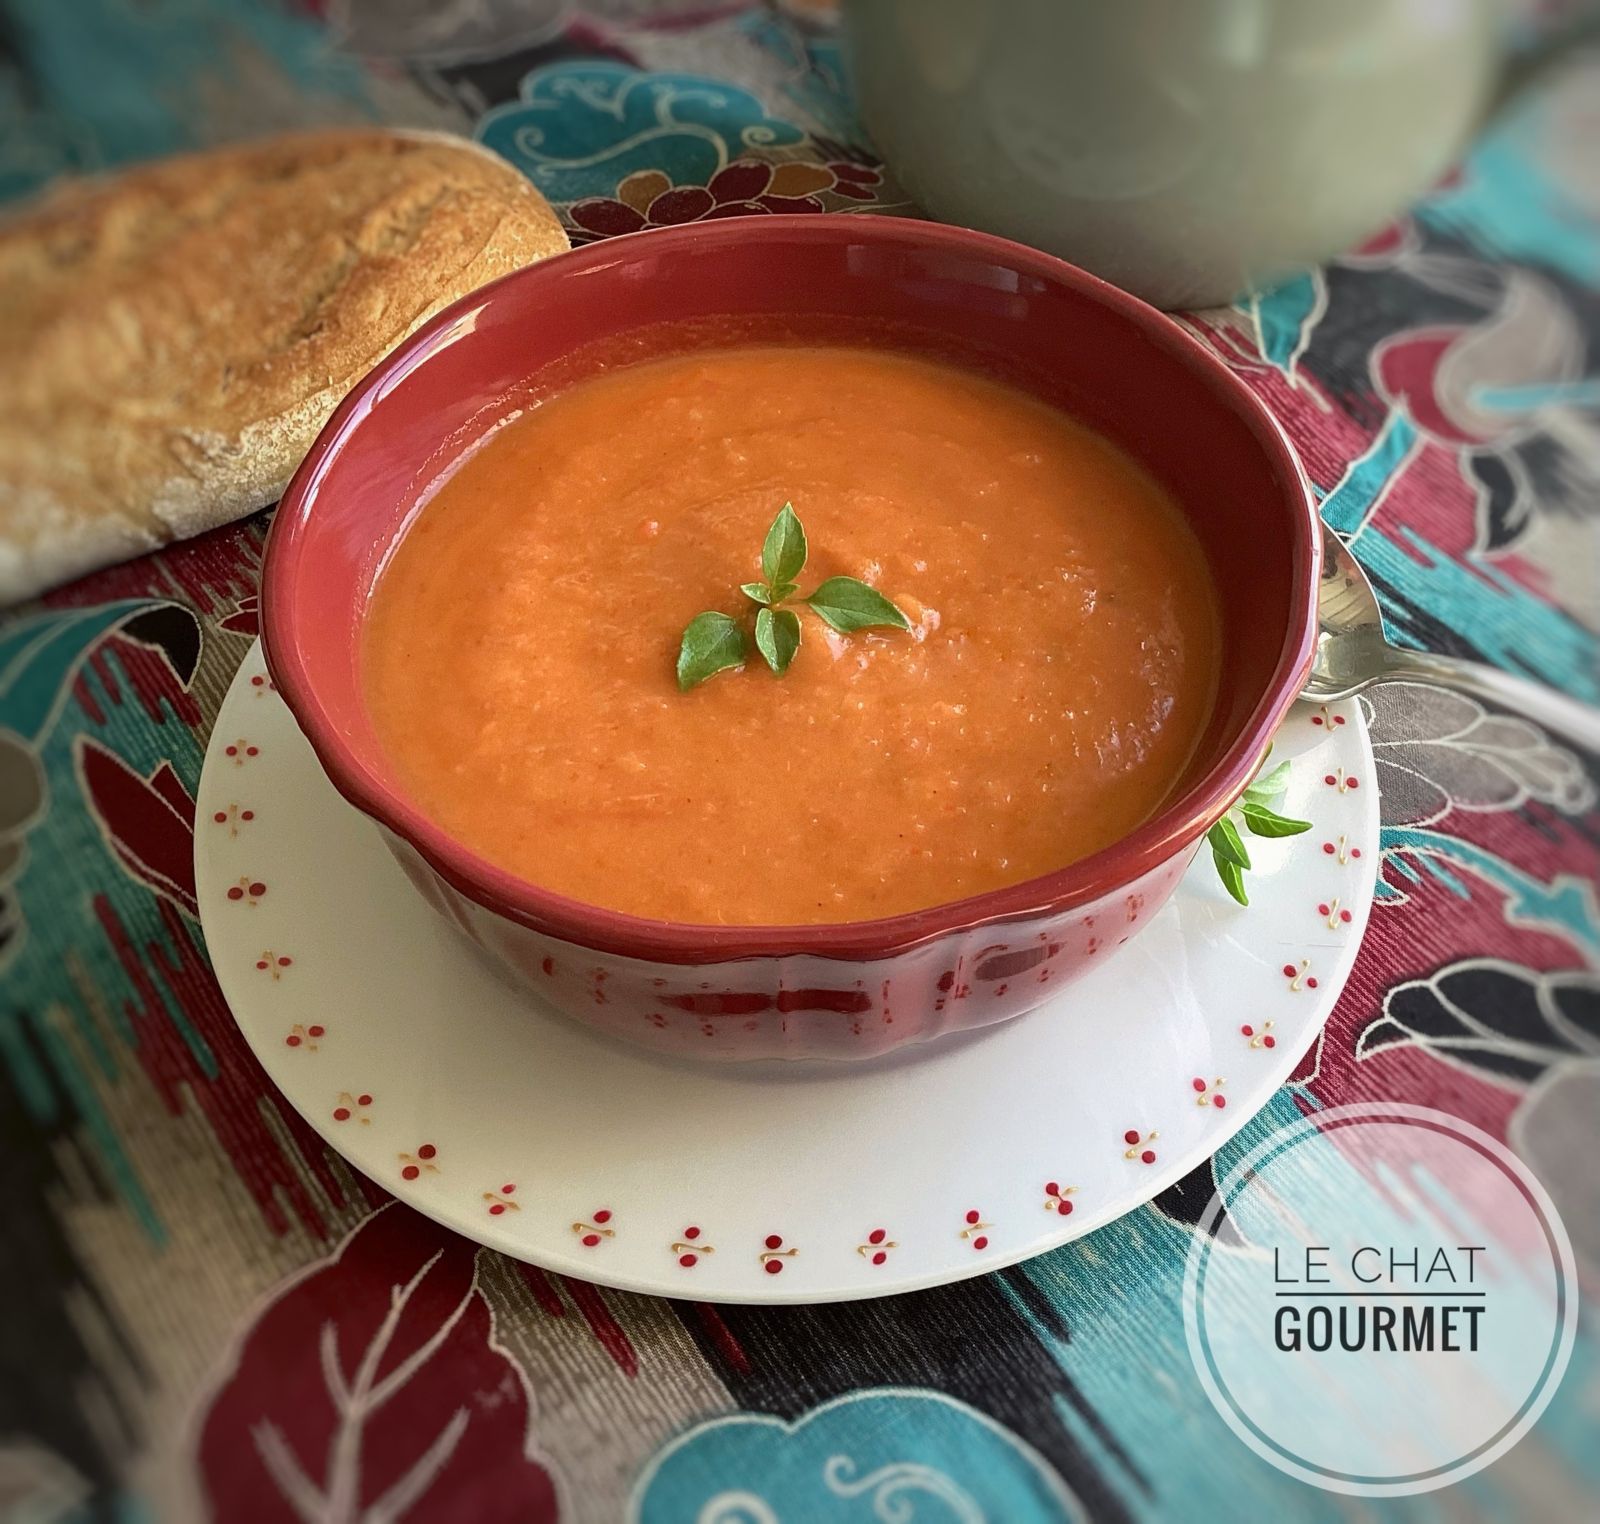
(172, 339)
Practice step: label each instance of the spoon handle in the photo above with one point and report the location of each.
(1578, 722)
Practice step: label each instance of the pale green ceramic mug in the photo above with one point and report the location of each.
(1183, 149)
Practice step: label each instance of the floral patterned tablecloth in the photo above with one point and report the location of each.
(176, 1244)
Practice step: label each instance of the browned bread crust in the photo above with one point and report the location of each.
(173, 338)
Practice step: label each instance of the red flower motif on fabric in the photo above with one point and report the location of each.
(148, 822)
(374, 1387)
(245, 619)
(648, 199)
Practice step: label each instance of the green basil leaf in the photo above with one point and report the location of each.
(848, 604)
(1232, 877)
(1269, 785)
(785, 551)
(782, 591)
(778, 637)
(1227, 844)
(1264, 822)
(712, 643)
(758, 592)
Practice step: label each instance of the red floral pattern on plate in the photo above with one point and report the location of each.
(1139, 1145)
(1299, 977)
(348, 1105)
(773, 1254)
(1055, 1198)
(691, 1246)
(1209, 1093)
(1334, 913)
(414, 1166)
(500, 1201)
(232, 817)
(876, 1249)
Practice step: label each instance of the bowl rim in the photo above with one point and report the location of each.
(1171, 831)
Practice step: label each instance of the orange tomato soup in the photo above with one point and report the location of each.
(519, 656)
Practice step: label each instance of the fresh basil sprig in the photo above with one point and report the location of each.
(713, 641)
(1254, 807)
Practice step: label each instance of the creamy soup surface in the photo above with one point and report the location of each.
(519, 655)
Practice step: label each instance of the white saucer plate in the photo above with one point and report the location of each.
(771, 1182)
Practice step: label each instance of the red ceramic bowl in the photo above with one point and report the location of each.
(860, 988)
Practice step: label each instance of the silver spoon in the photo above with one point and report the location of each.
(1352, 654)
